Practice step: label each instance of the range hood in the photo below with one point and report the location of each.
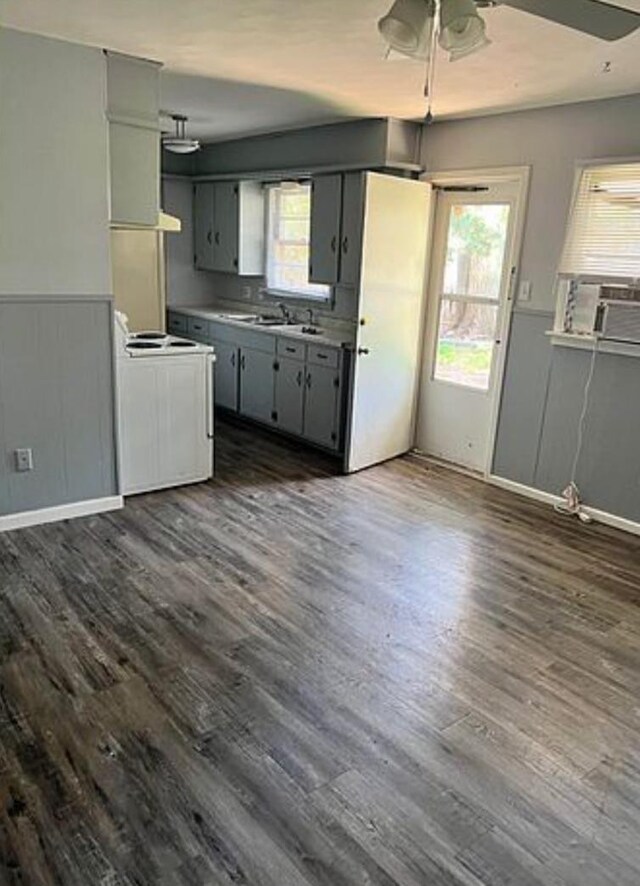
(165, 222)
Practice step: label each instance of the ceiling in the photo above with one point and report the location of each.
(242, 66)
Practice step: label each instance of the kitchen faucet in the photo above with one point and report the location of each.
(285, 311)
(309, 311)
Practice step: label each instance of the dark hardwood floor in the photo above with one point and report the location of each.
(401, 678)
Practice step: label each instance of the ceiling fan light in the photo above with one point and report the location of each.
(403, 27)
(462, 29)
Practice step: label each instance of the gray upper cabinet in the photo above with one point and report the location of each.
(134, 139)
(256, 384)
(289, 395)
(321, 410)
(229, 227)
(337, 206)
(203, 226)
(326, 201)
(351, 228)
(225, 227)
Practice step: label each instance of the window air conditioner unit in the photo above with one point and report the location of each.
(618, 314)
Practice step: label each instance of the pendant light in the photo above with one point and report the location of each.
(180, 143)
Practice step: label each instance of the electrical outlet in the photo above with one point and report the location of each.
(24, 459)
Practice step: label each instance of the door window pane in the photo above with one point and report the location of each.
(466, 335)
(475, 249)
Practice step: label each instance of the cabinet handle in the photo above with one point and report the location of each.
(290, 350)
(233, 359)
(363, 351)
(308, 380)
(242, 362)
(209, 237)
(217, 238)
(299, 377)
(345, 245)
(334, 243)
(321, 356)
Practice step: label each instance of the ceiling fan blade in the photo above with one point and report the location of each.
(590, 16)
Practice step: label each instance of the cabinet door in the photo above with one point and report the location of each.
(324, 237)
(322, 390)
(225, 227)
(351, 231)
(226, 375)
(256, 384)
(203, 225)
(289, 394)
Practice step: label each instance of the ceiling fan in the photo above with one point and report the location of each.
(411, 27)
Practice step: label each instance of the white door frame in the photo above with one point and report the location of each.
(520, 176)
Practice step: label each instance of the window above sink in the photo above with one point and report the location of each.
(288, 236)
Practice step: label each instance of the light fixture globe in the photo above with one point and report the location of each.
(404, 25)
(180, 143)
(462, 30)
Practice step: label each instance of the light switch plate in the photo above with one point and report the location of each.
(24, 459)
(524, 291)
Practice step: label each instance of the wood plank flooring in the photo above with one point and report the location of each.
(287, 677)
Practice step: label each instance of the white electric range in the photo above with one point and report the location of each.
(165, 409)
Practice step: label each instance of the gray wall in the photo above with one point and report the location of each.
(543, 384)
(56, 372)
(53, 167)
(551, 141)
(56, 397)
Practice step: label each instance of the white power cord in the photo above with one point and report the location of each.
(572, 503)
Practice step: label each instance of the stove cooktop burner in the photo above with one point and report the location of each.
(182, 344)
(143, 345)
(151, 335)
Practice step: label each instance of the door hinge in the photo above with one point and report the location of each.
(334, 436)
(274, 416)
(276, 366)
(336, 381)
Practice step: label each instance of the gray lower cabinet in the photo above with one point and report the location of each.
(321, 406)
(226, 375)
(256, 384)
(289, 395)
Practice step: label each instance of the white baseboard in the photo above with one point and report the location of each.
(61, 512)
(550, 499)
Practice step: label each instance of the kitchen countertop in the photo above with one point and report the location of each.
(330, 337)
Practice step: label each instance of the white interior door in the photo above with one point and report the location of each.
(391, 291)
(467, 316)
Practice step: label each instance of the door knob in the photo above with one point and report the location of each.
(363, 351)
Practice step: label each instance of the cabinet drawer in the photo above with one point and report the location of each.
(323, 356)
(177, 323)
(287, 347)
(198, 328)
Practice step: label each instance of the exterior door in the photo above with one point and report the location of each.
(469, 288)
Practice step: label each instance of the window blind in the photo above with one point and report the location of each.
(603, 235)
